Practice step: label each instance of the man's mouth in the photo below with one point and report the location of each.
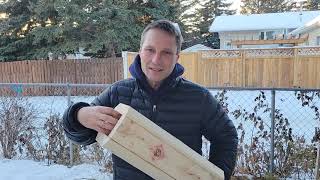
(155, 69)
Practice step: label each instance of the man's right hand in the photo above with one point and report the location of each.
(99, 118)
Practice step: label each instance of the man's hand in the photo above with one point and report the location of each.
(99, 118)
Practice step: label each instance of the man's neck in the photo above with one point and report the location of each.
(154, 85)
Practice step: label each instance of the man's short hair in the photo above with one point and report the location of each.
(167, 26)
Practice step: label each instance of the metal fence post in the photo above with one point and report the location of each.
(70, 141)
(273, 108)
(317, 162)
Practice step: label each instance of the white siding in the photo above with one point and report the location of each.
(240, 35)
(313, 37)
(226, 37)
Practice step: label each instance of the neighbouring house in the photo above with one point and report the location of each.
(197, 47)
(310, 29)
(261, 30)
(77, 55)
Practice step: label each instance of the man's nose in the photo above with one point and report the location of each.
(156, 58)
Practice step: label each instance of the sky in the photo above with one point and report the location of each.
(2, 15)
(235, 5)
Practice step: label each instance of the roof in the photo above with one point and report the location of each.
(267, 21)
(314, 23)
(196, 47)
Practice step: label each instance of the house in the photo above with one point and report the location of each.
(310, 29)
(77, 55)
(261, 30)
(197, 47)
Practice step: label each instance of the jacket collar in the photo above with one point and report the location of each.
(171, 80)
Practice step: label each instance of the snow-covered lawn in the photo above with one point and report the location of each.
(31, 170)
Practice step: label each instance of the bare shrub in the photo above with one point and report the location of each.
(94, 153)
(16, 127)
(57, 150)
(309, 99)
(293, 155)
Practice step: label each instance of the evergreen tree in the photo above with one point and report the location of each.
(14, 39)
(205, 16)
(265, 6)
(184, 15)
(104, 28)
(313, 5)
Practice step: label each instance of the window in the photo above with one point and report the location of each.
(266, 35)
(270, 34)
(318, 40)
(290, 30)
(227, 45)
(261, 37)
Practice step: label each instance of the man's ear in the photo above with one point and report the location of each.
(178, 56)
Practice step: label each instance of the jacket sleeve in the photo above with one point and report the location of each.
(72, 127)
(220, 131)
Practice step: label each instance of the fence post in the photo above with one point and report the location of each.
(125, 64)
(70, 141)
(317, 162)
(273, 108)
(244, 73)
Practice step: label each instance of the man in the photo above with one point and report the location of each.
(182, 108)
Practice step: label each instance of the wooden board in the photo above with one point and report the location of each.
(154, 151)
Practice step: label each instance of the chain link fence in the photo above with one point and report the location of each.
(278, 128)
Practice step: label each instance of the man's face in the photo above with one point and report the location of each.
(158, 55)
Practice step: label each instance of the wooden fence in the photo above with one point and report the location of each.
(265, 68)
(88, 71)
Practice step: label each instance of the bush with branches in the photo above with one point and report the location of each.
(17, 130)
(292, 154)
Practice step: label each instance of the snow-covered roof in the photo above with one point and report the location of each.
(314, 23)
(196, 47)
(262, 21)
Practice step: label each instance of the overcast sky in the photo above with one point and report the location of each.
(235, 5)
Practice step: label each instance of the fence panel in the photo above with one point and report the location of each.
(278, 68)
(88, 71)
(62, 71)
(307, 71)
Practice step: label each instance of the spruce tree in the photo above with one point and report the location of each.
(103, 28)
(313, 5)
(262, 6)
(205, 16)
(14, 39)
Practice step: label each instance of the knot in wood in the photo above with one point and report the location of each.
(157, 152)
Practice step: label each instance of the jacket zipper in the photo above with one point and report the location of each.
(154, 112)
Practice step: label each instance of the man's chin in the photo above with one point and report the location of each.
(155, 79)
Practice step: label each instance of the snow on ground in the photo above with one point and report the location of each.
(31, 170)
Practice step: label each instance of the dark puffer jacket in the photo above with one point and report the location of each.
(184, 109)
